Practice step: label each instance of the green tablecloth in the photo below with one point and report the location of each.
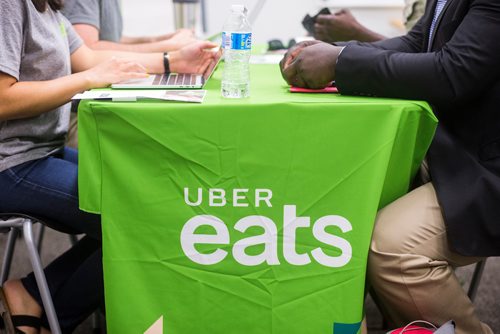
(288, 253)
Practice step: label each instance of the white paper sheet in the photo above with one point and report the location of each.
(195, 95)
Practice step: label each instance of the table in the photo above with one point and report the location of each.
(278, 240)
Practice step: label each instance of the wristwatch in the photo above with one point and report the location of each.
(166, 62)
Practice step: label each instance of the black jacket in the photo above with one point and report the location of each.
(459, 75)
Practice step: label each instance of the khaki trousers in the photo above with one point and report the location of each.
(72, 139)
(410, 265)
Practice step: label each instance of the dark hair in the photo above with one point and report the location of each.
(41, 5)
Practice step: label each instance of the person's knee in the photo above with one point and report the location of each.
(385, 239)
(381, 263)
(389, 257)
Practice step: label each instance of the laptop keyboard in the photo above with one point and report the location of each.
(174, 79)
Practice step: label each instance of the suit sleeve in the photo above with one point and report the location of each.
(462, 70)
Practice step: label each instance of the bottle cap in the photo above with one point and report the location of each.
(238, 8)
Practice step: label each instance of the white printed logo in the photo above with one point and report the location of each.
(269, 238)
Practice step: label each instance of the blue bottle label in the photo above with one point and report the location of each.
(236, 41)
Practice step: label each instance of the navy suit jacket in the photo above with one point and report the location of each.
(460, 77)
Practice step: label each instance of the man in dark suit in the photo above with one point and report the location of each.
(451, 59)
(343, 26)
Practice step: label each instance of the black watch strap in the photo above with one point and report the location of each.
(166, 62)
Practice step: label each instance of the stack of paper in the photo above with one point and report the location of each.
(196, 96)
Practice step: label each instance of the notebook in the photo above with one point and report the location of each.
(172, 80)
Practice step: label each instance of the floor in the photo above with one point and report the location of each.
(487, 300)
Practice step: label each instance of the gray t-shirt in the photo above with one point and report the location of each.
(105, 15)
(34, 46)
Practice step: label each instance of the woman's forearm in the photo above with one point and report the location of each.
(85, 58)
(153, 62)
(32, 98)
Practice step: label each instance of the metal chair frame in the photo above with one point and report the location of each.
(13, 223)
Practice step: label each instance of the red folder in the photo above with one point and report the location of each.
(330, 89)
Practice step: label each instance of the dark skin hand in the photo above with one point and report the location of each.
(294, 52)
(343, 26)
(310, 66)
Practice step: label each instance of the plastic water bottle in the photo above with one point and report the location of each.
(237, 44)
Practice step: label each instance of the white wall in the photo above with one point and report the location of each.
(278, 18)
(147, 17)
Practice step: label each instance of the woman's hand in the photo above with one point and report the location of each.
(179, 40)
(186, 33)
(113, 71)
(193, 58)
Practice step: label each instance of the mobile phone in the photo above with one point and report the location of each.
(308, 21)
(324, 11)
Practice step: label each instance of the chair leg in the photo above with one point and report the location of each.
(385, 323)
(73, 239)
(9, 252)
(476, 278)
(40, 277)
(39, 237)
(96, 323)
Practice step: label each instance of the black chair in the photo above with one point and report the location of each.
(13, 223)
(476, 279)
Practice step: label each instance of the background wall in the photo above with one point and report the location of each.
(278, 18)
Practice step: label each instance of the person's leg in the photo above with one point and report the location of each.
(47, 188)
(410, 265)
(75, 280)
(86, 286)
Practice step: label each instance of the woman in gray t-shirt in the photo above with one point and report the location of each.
(38, 176)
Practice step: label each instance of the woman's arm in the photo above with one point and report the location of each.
(193, 58)
(90, 36)
(32, 98)
(95, 69)
(186, 33)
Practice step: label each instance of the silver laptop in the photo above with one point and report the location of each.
(172, 80)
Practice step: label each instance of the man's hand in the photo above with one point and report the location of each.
(342, 26)
(293, 53)
(313, 67)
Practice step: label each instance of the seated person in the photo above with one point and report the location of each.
(343, 26)
(38, 175)
(99, 23)
(451, 220)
